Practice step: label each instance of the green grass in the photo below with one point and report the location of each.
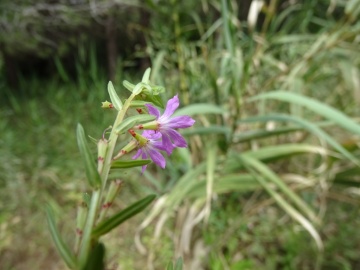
(262, 169)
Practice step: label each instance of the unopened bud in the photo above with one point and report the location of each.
(114, 189)
(126, 149)
(107, 105)
(81, 218)
(141, 139)
(153, 125)
(102, 149)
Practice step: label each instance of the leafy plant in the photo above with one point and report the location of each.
(159, 134)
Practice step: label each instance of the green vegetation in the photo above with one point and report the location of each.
(271, 176)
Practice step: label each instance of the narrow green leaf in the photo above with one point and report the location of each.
(60, 69)
(226, 18)
(96, 260)
(310, 127)
(114, 221)
(138, 88)
(124, 164)
(257, 169)
(115, 100)
(254, 134)
(224, 184)
(213, 129)
(184, 185)
(63, 250)
(157, 64)
(90, 166)
(322, 109)
(267, 173)
(200, 108)
(179, 264)
(170, 266)
(129, 86)
(131, 121)
(146, 76)
(295, 38)
(272, 153)
(155, 99)
(210, 171)
(138, 103)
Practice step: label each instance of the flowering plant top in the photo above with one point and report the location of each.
(160, 134)
(152, 133)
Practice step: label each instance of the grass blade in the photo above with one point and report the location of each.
(210, 171)
(200, 108)
(273, 178)
(258, 170)
(308, 126)
(114, 221)
(224, 184)
(272, 153)
(316, 106)
(63, 250)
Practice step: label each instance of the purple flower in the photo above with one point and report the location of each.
(150, 145)
(166, 125)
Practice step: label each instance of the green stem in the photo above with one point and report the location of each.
(90, 221)
(95, 204)
(112, 141)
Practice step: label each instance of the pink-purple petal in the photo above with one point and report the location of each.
(165, 137)
(176, 137)
(183, 121)
(157, 158)
(160, 146)
(167, 144)
(171, 106)
(153, 110)
(143, 168)
(151, 134)
(138, 153)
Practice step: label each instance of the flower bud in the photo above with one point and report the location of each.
(153, 125)
(102, 149)
(107, 105)
(141, 139)
(126, 149)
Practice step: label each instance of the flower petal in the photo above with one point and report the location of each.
(167, 144)
(183, 121)
(153, 110)
(171, 106)
(144, 156)
(159, 146)
(157, 158)
(151, 134)
(176, 137)
(138, 153)
(143, 168)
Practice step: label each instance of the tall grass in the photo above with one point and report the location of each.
(267, 171)
(229, 63)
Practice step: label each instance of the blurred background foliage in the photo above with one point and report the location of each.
(271, 176)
